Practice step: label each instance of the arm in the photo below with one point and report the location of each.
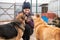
(30, 22)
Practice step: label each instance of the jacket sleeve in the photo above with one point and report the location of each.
(31, 23)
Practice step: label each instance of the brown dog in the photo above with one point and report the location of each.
(44, 31)
(21, 18)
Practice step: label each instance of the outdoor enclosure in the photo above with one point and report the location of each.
(8, 11)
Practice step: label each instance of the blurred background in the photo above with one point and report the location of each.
(10, 8)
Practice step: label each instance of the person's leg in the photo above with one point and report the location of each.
(26, 35)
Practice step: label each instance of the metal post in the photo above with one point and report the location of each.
(14, 11)
(31, 5)
(36, 6)
(25, 0)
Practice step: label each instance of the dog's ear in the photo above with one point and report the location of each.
(37, 15)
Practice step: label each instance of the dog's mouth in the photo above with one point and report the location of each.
(20, 22)
(23, 18)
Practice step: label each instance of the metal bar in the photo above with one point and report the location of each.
(18, 5)
(36, 6)
(21, 5)
(6, 20)
(9, 15)
(5, 3)
(5, 12)
(31, 5)
(14, 11)
(6, 9)
(25, 0)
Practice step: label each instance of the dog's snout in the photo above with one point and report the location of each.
(23, 18)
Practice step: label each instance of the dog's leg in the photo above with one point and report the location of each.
(57, 36)
(20, 33)
(2, 39)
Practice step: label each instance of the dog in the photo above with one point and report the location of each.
(56, 21)
(43, 31)
(13, 30)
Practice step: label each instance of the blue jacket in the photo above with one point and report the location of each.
(45, 19)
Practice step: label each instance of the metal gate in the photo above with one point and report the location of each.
(6, 11)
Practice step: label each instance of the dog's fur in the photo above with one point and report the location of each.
(13, 30)
(56, 22)
(44, 31)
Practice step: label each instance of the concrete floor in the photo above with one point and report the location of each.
(33, 37)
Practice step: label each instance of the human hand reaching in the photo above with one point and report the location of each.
(27, 19)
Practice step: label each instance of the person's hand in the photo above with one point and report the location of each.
(28, 20)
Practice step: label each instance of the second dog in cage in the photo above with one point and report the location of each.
(56, 21)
